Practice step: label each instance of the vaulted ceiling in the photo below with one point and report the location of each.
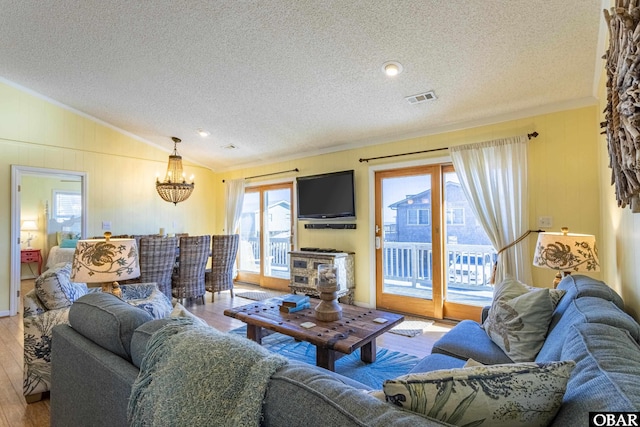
(282, 79)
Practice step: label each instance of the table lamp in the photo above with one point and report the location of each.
(105, 261)
(29, 226)
(566, 252)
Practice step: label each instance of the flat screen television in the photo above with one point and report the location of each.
(326, 196)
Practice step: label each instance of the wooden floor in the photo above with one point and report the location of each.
(14, 411)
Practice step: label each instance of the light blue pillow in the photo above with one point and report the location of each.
(68, 243)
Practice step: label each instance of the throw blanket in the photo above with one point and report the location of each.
(197, 376)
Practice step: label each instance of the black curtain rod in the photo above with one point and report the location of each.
(529, 135)
(269, 174)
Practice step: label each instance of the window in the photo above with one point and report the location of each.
(455, 216)
(66, 205)
(418, 217)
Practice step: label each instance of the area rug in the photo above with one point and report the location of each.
(258, 295)
(411, 328)
(389, 364)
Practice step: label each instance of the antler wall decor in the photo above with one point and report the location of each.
(622, 113)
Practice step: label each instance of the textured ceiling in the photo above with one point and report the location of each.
(283, 79)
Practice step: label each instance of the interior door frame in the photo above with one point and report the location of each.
(17, 172)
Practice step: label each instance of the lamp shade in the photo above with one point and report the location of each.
(567, 252)
(105, 260)
(29, 225)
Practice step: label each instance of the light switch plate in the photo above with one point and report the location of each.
(545, 222)
(106, 225)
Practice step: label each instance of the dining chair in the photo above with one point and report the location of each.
(157, 260)
(181, 235)
(223, 257)
(187, 280)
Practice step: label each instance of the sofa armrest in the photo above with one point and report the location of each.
(91, 385)
(37, 349)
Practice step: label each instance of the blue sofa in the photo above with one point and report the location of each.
(589, 326)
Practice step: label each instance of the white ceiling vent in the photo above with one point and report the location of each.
(421, 97)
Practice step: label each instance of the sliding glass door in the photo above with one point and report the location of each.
(407, 260)
(266, 236)
(432, 256)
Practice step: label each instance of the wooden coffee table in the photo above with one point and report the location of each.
(332, 340)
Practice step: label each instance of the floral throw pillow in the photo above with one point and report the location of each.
(55, 288)
(525, 394)
(519, 319)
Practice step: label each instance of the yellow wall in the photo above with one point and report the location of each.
(562, 170)
(121, 173)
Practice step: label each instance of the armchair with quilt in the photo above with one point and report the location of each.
(47, 305)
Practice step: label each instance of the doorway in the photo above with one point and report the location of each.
(266, 226)
(42, 215)
(433, 258)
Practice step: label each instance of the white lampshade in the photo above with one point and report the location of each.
(29, 225)
(566, 252)
(105, 261)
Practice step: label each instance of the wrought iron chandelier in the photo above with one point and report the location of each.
(175, 188)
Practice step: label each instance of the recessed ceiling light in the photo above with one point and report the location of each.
(203, 133)
(392, 68)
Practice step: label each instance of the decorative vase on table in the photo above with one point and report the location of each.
(328, 309)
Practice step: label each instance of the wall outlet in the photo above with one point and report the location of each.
(106, 225)
(545, 222)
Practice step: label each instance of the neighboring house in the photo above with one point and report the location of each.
(413, 219)
(278, 228)
(278, 221)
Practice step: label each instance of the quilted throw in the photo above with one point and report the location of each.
(196, 375)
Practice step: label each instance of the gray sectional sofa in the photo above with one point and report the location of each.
(96, 359)
(48, 304)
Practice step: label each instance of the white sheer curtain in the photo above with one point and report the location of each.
(493, 175)
(234, 190)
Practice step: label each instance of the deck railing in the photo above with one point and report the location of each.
(278, 250)
(407, 261)
(413, 262)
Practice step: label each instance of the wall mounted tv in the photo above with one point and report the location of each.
(326, 196)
